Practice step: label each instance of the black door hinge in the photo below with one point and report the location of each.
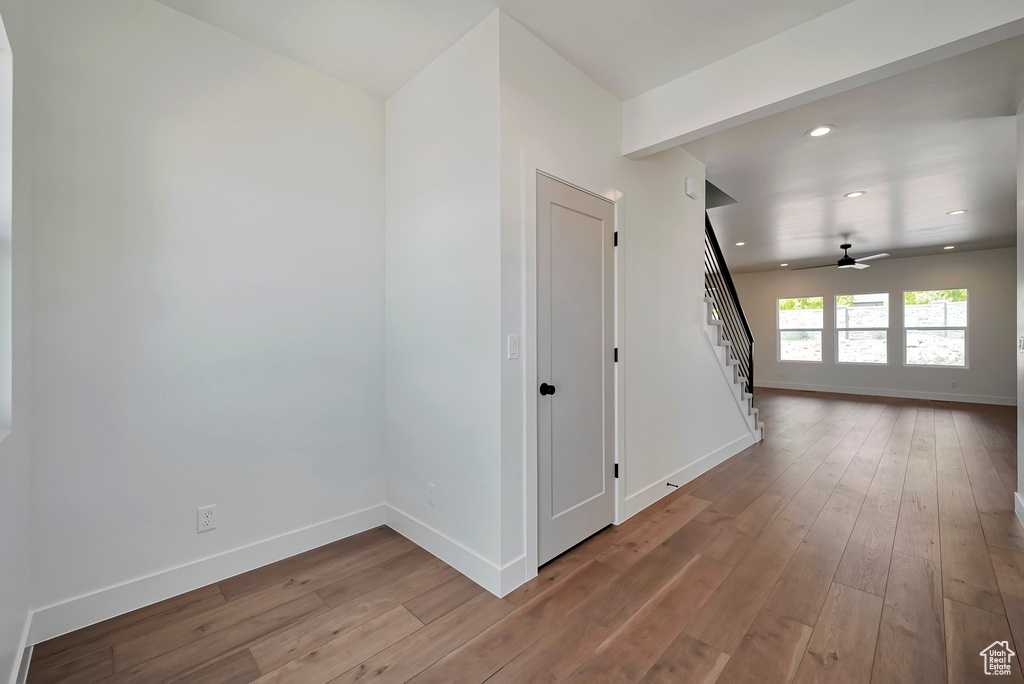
(616, 238)
(616, 355)
(616, 471)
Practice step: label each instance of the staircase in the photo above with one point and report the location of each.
(727, 330)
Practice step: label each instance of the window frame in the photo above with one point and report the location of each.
(967, 322)
(835, 324)
(779, 330)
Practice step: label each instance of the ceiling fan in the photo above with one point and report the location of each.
(847, 261)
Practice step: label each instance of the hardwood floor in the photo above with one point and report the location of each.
(864, 539)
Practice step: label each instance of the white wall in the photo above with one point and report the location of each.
(6, 196)
(15, 447)
(459, 270)
(442, 316)
(677, 405)
(988, 275)
(208, 301)
(210, 306)
(1018, 503)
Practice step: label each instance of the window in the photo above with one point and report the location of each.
(800, 322)
(862, 328)
(936, 328)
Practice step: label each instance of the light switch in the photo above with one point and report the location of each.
(513, 346)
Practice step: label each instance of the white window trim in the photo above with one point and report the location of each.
(835, 313)
(779, 330)
(967, 337)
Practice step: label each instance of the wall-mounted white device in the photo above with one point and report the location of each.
(206, 518)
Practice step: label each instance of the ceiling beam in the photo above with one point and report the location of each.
(858, 43)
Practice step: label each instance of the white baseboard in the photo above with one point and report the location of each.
(656, 490)
(67, 616)
(97, 606)
(19, 669)
(1018, 507)
(21, 675)
(514, 574)
(903, 394)
(497, 579)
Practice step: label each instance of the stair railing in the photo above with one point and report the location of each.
(718, 285)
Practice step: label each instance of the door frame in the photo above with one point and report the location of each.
(531, 165)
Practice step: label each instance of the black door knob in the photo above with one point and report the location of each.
(546, 389)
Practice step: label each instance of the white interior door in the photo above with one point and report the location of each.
(575, 342)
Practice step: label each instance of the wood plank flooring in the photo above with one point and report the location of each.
(865, 539)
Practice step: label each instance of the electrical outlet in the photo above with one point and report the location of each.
(953, 384)
(206, 518)
(430, 494)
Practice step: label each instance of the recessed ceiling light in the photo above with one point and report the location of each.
(957, 212)
(949, 247)
(740, 244)
(821, 130)
(856, 193)
(783, 265)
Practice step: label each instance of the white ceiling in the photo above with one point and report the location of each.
(922, 143)
(375, 45)
(627, 47)
(632, 47)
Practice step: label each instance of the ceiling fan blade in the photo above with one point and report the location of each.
(860, 266)
(807, 268)
(874, 256)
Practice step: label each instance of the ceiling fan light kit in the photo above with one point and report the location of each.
(847, 261)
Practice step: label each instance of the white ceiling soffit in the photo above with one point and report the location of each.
(856, 44)
(921, 144)
(627, 47)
